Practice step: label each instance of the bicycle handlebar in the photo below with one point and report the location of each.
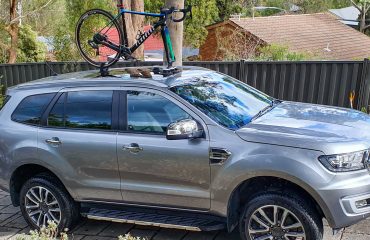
(172, 10)
(185, 11)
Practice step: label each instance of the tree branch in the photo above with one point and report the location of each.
(4, 46)
(32, 12)
(367, 9)
(356, 6)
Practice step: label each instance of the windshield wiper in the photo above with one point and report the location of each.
(266, 109)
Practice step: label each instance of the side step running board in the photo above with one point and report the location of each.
(157, 219)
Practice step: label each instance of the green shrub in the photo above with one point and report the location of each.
(29, 48)
(276, 52)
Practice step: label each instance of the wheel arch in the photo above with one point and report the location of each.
(24, 172)
(249, 187)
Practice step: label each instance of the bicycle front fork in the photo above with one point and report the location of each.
(170, 55)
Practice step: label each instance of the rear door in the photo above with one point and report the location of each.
(154, 170)
(79, 138)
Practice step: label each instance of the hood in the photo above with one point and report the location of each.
(331, 130)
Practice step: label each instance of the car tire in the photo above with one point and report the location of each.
(44, 198)
(290, 211)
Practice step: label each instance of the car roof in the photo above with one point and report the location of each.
(138, 76)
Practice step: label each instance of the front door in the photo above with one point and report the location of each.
(154, 170)
(80, 139)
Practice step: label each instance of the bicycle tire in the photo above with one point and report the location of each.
(114, 22)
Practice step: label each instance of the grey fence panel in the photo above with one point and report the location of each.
(364, 91)
(322, 82)
(328, 83)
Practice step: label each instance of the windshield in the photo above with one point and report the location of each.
(227, 101)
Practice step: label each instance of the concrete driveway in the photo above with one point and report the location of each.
(12, 224)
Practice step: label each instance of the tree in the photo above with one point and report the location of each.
(44, 21)
(204, 13)
(363, 6)
(29, 48)
(10, 18)
(134, 24)
(227, 8)
(176, 31)
(64, 33)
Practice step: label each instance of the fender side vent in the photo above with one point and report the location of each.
(218, 156)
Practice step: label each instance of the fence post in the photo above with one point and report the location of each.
(364, 90)
(241, 70)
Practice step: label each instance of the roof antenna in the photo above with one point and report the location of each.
(52, 72)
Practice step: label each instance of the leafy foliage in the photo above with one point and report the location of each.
(45, 233)
(43, 21)
(204, 14)
(129, 237)
(29, 48)
(276, 52)
(227, 8)
(313, 6)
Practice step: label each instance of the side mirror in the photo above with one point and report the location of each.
(184, 129)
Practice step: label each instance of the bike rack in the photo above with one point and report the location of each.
(165, 72)
(104, 71)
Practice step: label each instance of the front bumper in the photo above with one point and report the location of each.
(345, 199)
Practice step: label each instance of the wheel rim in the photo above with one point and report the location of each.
(96, 23)
(42, 206)
(275, 222)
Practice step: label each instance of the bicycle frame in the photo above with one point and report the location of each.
(170, 55)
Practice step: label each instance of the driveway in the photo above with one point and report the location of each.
(12, 224)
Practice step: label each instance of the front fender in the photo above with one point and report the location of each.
(299, 166)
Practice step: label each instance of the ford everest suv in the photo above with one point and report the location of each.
(197, 150)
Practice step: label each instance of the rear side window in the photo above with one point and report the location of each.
(3, 101)
(84, 109)
(30, 110)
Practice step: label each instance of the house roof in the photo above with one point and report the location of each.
(348, 14)
(320, 34)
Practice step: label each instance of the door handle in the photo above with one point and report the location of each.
(53, 141)
(133, 148)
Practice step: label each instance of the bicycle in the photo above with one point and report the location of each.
(105, 43)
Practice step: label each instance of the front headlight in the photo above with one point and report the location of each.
(345, 162)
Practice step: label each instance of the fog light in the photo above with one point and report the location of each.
(362, 203)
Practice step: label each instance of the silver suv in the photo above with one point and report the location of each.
(197, 150)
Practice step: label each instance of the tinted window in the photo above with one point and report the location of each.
(56, 115)
(31, 108)
(230, 103)
(148, 112)
(84, 109)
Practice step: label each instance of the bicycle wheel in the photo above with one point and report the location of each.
(94, 28)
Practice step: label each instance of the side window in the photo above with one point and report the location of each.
(149, 112)
(84, 109)
(56, 115)
(31, 108)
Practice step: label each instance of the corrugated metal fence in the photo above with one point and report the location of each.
(322, 82)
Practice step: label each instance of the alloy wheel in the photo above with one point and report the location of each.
(42, 206)
(274, 222)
